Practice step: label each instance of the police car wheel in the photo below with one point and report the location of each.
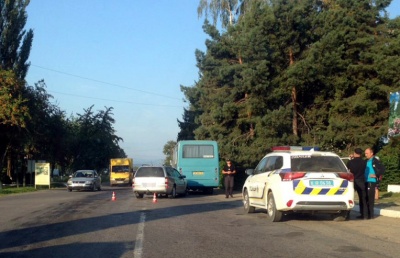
(342, 216)
(273, 214)
(246, 203)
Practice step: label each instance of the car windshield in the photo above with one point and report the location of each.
(317, 163)
(83, 174)
(150, 172)
(120, 169)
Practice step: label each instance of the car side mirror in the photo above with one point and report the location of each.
(249, 171)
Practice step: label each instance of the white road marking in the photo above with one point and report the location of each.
(137, 253)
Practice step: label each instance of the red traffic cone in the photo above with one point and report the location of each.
(113, 198)
(154, 197)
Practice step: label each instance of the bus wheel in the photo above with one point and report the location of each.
(209, 190)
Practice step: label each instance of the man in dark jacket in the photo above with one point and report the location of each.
(357, 167)
(229, 172)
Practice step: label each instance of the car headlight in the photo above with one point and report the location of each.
(69, 182)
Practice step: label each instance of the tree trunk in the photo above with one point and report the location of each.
(294, 98)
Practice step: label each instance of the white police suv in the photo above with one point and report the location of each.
(299, 179)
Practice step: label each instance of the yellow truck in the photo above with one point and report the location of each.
(121, 171)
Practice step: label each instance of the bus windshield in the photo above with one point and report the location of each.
(198, 151)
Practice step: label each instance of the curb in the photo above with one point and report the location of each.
(381, 212)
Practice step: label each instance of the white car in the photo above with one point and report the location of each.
(159, 180)
(299, 179)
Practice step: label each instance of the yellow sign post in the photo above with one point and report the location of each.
(42, 174)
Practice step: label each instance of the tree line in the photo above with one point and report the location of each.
(31, 127)
(295, 72)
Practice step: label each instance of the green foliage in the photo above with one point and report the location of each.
(16, 190)
(390, 157)
(296, 73)
(13, 108)
(168, 151)
(15, 42)
(93, 140)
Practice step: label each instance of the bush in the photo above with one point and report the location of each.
(5, 179)
(390, 157)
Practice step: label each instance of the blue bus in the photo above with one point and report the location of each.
(199, 162)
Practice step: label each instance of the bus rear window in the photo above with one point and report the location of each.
(198, 151)
(150, 172)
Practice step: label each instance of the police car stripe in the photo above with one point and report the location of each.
(300, 188)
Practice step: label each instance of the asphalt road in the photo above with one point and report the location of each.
(56, 223)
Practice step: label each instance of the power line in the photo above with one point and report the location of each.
(121, 101)
(108, 83)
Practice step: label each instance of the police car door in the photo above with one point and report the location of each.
(257, 182)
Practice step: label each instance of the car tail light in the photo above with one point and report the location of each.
(166, 181)
(346, 175)
(289, 176)
(289, 203)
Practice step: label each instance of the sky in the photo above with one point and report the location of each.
(132, 55)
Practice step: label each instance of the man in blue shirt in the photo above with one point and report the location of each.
(370, 181)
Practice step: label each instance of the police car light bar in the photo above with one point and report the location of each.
(295, 148)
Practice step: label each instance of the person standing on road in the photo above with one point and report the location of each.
(373, 171)
(229, 172)
(357, 167)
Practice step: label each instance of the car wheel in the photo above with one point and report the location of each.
(69, 189)
(273, 214)
(94, 187)
(139, 195)
(99, 188)
(173, 193)
(342, 216)
(246, 203)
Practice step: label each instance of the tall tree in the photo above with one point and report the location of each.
(227, 11)
(187, 126)
(15, 46)
(297, 72)
(15, 41)
(95, 141)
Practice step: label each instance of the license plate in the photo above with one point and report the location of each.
(149, 184)
(321, 183)
(198, 173)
